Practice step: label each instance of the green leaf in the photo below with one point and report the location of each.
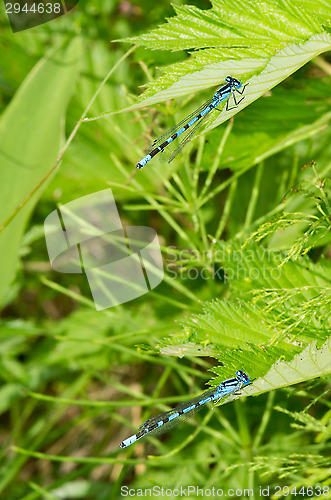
(319, 8)
(239, 22)
(31, 130)
(306, 365)
(268, 72)
(230, 324)
(289, 308)
(236, 324)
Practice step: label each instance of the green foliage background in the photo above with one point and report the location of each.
(243, 217)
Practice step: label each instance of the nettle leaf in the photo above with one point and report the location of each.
(200, 59)
(244, 23)
(272, 365)
(269, 72)
(272, 370)
(269, 39)
(261, 73)
(321, 9)
(230, 324)
(306, 365)
(256, 361)
(225, 324)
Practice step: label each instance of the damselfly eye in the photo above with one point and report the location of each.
(243, 377)
(228, 79)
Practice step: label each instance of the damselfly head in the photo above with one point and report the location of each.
(233, 82)
(242, 377)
